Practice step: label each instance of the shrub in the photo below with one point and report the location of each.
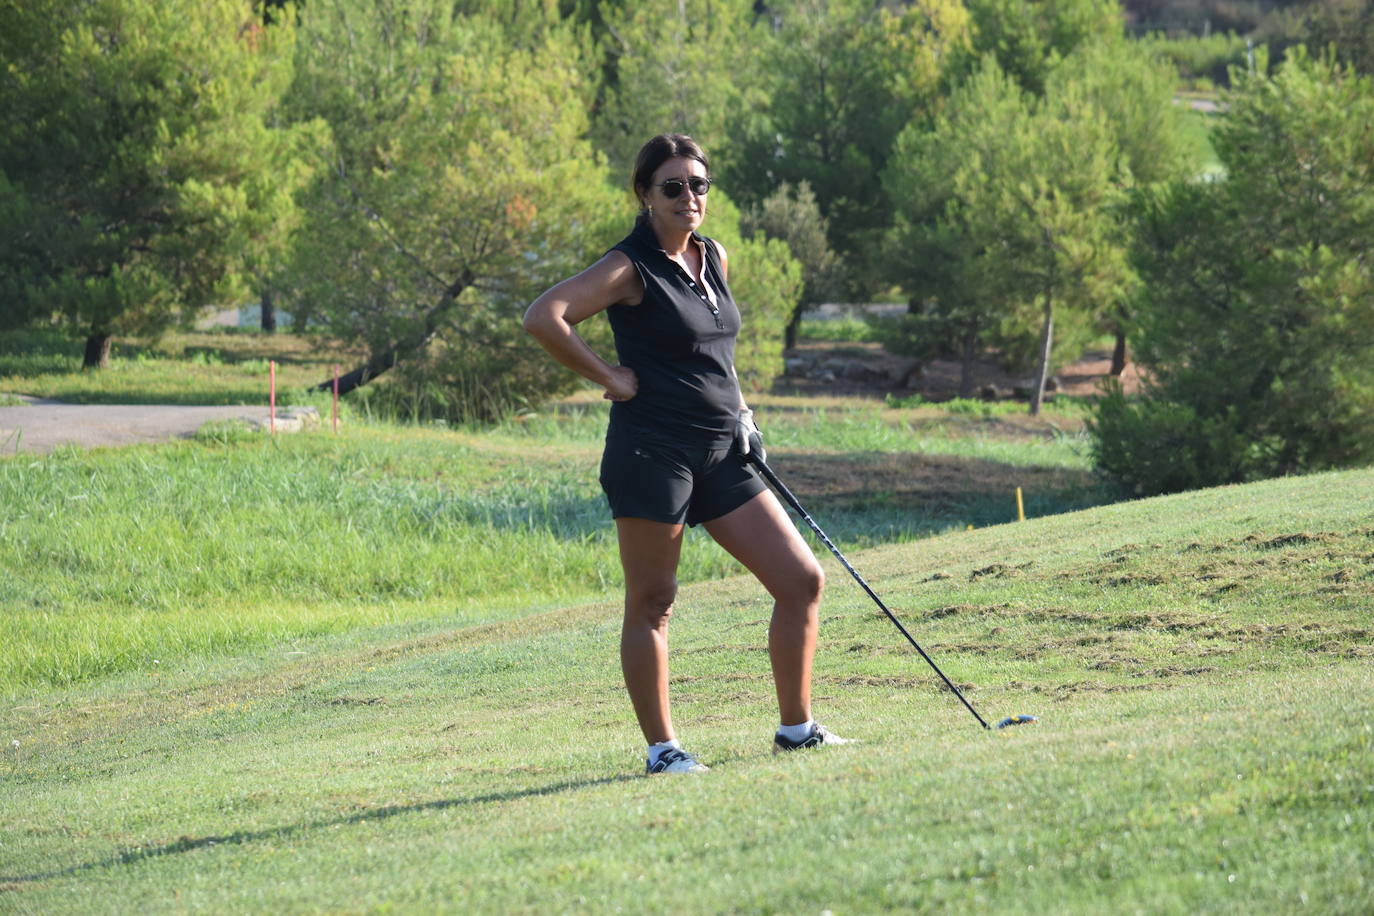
(847, 328)
(1256, 323)
(766, 282)
(924, 336)
(1152, 447)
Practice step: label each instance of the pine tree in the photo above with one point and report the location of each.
(142, 171)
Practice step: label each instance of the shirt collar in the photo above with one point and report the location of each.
(644, 234)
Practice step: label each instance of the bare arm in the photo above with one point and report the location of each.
(550, 319)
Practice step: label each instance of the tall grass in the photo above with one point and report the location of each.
(110, 558)
(112, 551)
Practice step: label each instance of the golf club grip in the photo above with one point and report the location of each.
(792, 501)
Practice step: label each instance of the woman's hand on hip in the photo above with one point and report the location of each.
(622, 385)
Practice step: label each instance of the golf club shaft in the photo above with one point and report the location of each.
(791, 500)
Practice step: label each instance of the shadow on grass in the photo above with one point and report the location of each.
(36, 352)
(926, 494)
(863, 498)
(242, 837)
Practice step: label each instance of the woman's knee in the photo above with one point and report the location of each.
(802, 593)
(651, 604)
(816, 581)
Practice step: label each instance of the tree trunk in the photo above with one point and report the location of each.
(1119, 354)
(1042, 371)
(789, 338)
(97, 350)
(969, 356)
(269, 312)
(394, 354)
(364, 373)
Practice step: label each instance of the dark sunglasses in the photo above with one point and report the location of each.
(672, 188)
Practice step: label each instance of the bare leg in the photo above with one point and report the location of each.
(761, 536)
(649, 553)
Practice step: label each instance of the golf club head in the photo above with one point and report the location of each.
(1017, 720)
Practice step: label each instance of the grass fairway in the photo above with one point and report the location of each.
(1202, 665)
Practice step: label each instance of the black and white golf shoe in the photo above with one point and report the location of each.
(820, 736)
(675, 761)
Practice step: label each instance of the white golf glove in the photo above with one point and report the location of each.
(748, 439)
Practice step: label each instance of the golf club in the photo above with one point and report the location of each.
(791, 500)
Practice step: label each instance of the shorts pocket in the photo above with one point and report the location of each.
(644, 480)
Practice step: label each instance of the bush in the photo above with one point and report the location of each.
(925, 336)
(445, 391)
(847, 328)
(766, 282)
(1256, 319)
(1152, 447)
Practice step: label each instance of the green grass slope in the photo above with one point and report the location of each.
(1201, 664)
(111, 558)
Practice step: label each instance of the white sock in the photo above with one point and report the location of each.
(657, 750)
(796, 732)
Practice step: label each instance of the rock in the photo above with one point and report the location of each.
(291, 420)
(910, 376)
(854, 370)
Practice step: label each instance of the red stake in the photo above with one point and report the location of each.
(272, 396)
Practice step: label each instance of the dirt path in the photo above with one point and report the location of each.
(39, 426)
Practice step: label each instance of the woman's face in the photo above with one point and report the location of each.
(685, 212)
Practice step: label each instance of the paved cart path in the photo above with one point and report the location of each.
(39, 426)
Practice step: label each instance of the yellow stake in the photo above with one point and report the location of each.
(1020, 507)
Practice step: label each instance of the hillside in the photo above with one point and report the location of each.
(1201, 664)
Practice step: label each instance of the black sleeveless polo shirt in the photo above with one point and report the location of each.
(682, 349)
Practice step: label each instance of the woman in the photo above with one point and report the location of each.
(675, 447)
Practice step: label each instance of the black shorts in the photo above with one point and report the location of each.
(662, 480)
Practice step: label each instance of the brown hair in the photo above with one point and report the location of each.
(658, 151)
